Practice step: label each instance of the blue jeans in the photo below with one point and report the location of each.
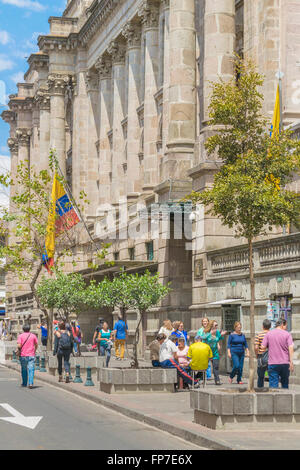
(261, 372)
(105, 348)
(27, 370)
(63, 355)
(238, 364)
(277, 371)
(208, 371)
(172, 364)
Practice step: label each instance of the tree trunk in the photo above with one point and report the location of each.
(50, 330)
(136, 341)
(252, 318)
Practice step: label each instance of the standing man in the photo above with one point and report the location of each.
(262, 355)
(120, 333)
(27, 344)
(281, 351)
(96, 334)
(44, 333)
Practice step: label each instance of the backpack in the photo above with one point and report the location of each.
(263, 359)
(65, 342)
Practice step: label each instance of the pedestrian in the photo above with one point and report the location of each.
(154, 347)
(262, 355)
(168, 358)
(120, 335)
(182, 353)
(27, 346)
(212, 337)
(237, 348)
(200, 332)
(44, 333)
(77, 336)
(166, 329)
(96, 333)
(177, 331)
(281, 352)
(63, 346)
(200, 354)
(105, 340)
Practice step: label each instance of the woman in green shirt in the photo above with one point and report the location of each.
(105, 338)
(212, 336)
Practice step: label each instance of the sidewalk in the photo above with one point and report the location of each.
(172, 413)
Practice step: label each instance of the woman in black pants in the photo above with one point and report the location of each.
(63, 346)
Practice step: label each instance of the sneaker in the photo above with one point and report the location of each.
(241, 383)
(219, 383)
(67, 379)
(60, 378)
(31, 387)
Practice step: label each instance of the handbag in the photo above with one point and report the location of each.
(19, 350)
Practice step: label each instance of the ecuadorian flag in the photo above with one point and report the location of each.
(275, 127)
(62, 217)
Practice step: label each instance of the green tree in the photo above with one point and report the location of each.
(24, 225)
(250, 192)
(130, 292)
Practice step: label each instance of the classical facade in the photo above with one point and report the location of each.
(120, 89)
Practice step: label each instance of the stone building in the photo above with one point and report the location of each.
(120, 88)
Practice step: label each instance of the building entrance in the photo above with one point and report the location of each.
(230, 314)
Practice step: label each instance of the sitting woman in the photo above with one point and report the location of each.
(154, 350)
(182, 352)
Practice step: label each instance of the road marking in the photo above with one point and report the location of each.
(30, 422)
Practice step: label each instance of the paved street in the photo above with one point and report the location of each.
(70, 422)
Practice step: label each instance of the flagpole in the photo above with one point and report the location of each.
(68, 190)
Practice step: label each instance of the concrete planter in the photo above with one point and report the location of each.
(137, 380)
(94, 362)
(221, 409)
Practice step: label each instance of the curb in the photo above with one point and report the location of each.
(197, 438)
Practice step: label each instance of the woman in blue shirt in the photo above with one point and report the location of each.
(237, 349)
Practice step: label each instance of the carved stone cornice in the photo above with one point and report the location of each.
(23, 136)
(13, 145)
(132, 34)
(97, 13)
(149, 13)
(91, 78)
(50, 43)
(117, 51)
(58, 83)
(37, 62)
(21, 104)
(42, 99)
(104, 66)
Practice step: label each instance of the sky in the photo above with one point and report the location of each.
(21, 22)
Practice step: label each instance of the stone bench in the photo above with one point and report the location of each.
(227, 409)
(115, 380)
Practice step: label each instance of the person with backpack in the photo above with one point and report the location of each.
(77, 336)
(63, 346)
(261, 355)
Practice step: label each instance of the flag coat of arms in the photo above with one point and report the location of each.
(62, 217)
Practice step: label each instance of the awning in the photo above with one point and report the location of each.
(227, 301)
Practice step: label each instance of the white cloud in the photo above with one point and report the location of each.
(5, 38)
(5, 63)
(28, 4)
(18, 77)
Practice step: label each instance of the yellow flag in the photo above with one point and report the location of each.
(275, 128)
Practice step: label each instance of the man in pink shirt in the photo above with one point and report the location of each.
(280, 345)
(27, 344)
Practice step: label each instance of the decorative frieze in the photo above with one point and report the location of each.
(9, 116)
(132, 34)
(97, 15)
(23, 136)
(104, 65)
(117, 51)
(91, 78)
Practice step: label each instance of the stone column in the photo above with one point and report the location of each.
(149, 13)
(182, 89)
(132, 32)
(43, 100)
(117, 51)
(57, 88)
(219, 30)
(23, 139)
(104, 68)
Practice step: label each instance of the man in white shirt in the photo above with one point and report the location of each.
(168, 357)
